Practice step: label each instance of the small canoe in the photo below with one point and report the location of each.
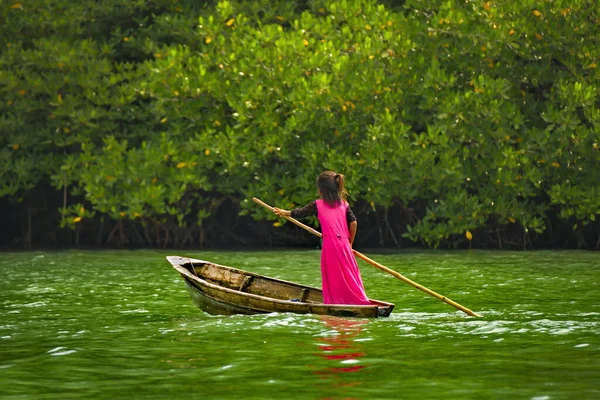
(217, 289)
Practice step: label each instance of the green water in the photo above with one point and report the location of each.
(120, 325)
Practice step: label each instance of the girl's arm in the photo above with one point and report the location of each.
(308, 210)
(352, 224)
(352, 227)
(281, 213)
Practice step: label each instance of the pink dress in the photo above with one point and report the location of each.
(342, 283)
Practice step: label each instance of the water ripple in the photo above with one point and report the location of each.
(61, 351)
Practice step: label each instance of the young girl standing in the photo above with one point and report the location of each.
(341, 280)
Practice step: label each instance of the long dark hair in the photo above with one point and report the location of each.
(331, 188)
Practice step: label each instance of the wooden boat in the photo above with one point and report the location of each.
(218, 289)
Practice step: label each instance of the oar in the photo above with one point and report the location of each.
(381, 267)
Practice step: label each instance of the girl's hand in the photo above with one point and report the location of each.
(281, 213)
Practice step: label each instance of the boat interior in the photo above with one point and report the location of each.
(247, 282)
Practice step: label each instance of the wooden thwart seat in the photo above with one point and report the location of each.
(246, 282)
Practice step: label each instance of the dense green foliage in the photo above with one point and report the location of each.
(462, 116)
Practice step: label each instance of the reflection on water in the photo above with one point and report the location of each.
(341, 351)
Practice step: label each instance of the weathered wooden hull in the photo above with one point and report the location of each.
(218, 289)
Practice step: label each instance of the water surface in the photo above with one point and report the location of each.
(120, 324)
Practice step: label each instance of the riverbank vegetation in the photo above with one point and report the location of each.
(457, 123)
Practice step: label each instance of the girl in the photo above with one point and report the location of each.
(341, 281)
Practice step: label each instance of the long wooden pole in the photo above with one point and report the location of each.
(380, 266)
